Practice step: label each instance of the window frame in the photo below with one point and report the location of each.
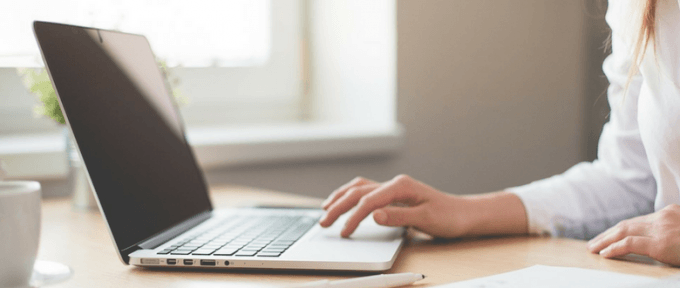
(330, 128)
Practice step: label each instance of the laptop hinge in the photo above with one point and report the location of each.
(180, 228)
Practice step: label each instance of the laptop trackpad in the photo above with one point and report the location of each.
(368, 231)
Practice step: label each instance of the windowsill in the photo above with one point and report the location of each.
(42, 156)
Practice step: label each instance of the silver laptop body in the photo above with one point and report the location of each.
(371, 247)
(149, 187)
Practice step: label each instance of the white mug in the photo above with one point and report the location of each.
(19, 231)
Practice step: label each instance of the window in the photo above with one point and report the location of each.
(208, 32)
(230, 65)
(316, 79)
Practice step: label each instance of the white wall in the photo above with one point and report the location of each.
(353, 61)
(490, 94)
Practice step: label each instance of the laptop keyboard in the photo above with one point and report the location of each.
(261, 236)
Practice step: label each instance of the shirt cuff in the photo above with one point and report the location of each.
(538, 217)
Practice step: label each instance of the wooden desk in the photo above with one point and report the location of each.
(81, 240)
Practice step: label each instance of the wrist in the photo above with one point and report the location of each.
(474, 214)
(498, 213)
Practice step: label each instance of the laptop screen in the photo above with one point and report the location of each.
(127, 128)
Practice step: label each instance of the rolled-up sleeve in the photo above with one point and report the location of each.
(592, 196)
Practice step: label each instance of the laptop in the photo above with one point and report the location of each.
(148, 185)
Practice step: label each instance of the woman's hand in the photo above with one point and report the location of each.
(428, 210)
(656, 235)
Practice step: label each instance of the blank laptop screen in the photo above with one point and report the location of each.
(127, 129)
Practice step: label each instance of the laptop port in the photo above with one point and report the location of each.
(188, 262)
(208, 263)
(171, 261)
(226, 263)
(151, 261)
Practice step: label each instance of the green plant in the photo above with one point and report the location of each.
(38, 83)
(173, 81)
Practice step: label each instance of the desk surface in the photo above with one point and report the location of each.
(80, 239)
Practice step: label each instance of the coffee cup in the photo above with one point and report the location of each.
(19, 231)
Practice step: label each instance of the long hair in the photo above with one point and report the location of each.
(646, 33)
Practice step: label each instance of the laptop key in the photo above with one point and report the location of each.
(224, 252)
(255, 248)
(257, 244)
(246, 253)
(189, 246)
(268, 254)
(288, 238)
(279, 245)
(275, 248)
(250, 249)
(186, 249)
(181, 252)
(203, 252)
(233, 246)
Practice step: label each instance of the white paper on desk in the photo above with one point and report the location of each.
(556, 277)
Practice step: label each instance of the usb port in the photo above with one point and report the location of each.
(188, 262)
(171, 261)
(207, 262)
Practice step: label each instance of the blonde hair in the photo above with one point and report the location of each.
(645, 34)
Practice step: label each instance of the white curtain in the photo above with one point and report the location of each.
(192, 33)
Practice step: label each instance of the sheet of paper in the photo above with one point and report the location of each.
(556, 277)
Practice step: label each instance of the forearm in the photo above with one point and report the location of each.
(498, 213)
(427, 209)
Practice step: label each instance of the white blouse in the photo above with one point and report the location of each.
(638, 167)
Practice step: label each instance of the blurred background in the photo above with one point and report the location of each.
(302, 96)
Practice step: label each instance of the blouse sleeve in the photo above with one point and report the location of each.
(592, 196)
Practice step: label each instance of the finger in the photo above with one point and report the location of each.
(399, 216)
(607, 233)
(337, 193)
(632, 244)
(617, 233)
(600, 236)
(399, 189)
(345, 203)
(639, 219)
(358, 181)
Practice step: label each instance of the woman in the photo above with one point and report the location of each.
(626, 199)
